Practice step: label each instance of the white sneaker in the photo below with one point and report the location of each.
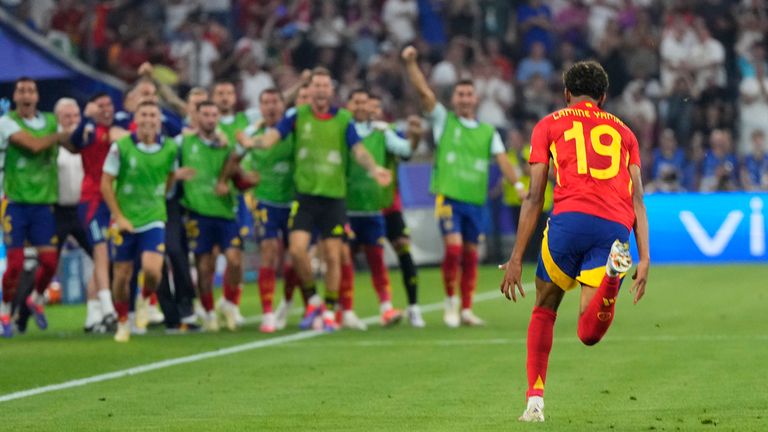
(211, 322)
(350, 320)
(268, 323)
(619, 260)
(470, 319)
(451, 315)
(535, 410)
(155, 316)
(199, 309)
(142, 312)
(123, 333)
(281, 315)
(414, 316)
(239, 318)
(229, 311)
(135, 329)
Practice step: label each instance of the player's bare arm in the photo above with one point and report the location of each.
(414, 131)
(417, 79)
(382, 175)
(529, 215)
(165, 92)
(640, 276)
(108, 192)
(26, 141)
(265, 141)
(510, 174)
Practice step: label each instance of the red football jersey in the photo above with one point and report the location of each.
(591, 150)
(93, 154)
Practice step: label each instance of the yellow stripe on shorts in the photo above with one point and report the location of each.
(558, 276)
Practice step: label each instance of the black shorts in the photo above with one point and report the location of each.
(395, 226)
(320, 215)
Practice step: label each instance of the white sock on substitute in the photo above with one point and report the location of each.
(105, 301)
(93, 313)
(385, 306)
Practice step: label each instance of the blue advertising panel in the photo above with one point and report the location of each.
(707, 228)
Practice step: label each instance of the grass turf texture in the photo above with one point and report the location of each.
(690, 356)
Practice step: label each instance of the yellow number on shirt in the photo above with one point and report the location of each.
(612, 150)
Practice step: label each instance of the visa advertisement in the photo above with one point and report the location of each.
(707, 228)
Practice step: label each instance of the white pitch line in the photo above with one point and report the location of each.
(209, 354)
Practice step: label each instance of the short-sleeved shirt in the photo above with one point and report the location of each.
(8, 127)
(438, 117)
(591, 150)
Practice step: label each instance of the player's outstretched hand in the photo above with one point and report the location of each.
(640, 278)
(185, 173)
(409, 54)
(123, 224)
(415, 128)
(383, 176)
(513, 274)
(91, 110)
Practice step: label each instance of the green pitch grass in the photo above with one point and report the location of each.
(691, 356)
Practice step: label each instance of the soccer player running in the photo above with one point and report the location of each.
(211, 218)
(460, 181)
(224, 95)
(365, 200)
(598, 199)
(138, 172)
(92, 139)
(324, 138)
(397, 232)
(29, 139)
(273, 207)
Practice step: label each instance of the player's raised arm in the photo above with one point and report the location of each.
(416, 77)
(641, 234)
(529, 216)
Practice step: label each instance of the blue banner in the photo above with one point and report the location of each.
(707, 228)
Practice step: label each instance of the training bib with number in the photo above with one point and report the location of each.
(591, 150)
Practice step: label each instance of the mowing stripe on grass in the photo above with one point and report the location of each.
(489, 295)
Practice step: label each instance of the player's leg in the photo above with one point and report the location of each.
(14, 227)
(347, 317)
(450, 227)
(397, 234)
(539, 345)
(151, 252)
(268, 232)
(559, 261)
(331, 250)
(42, 236)
(97, 218)
(598, 301)
(233, 277)
(245, 225)
(373, 245)
(269, 248)
(124, 251)
(226, 235)
(471, 229)
(299, 250)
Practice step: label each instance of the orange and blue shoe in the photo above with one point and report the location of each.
(39, 312)
(312, 312)
(390, 317)
(5, 321)
(329, 322)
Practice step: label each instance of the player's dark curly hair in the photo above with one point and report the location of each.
(586, 78)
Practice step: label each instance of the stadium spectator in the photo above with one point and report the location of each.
(496, 96)
(754, 168)
(400, 17)
(253, 80)
(534, 21)
(676, 44)
(536, 63)
(668, 165)
(720, 167)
